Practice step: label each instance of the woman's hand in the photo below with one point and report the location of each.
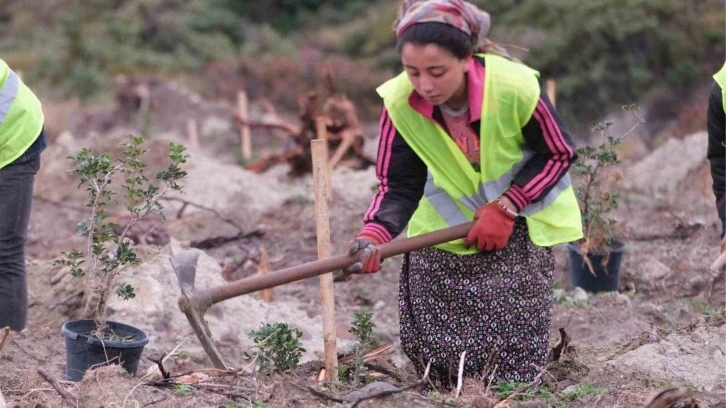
(493, 225)
(368, 253)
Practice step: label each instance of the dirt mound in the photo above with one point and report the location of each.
(155, 311)
(663, 170)
(694, 356)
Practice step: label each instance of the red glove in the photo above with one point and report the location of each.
(368, 252)
(493, 225)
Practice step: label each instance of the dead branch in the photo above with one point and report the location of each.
(202, 207)
(460, 379)
(344, 134)
(209, 369)
(666, 398)
(291, 129)
(24, 350)
(383, 394)
(382, 370)
(58, 277)
(318, 394)
(155, 401)
(66, 299)
(384, 349)
(561, 347)
(718, 264)
(219, 241)
(160, 363)
(59, 204)
(67, 397)
(6, 331)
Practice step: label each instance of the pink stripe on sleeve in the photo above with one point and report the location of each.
(376, 231)
(561, 153)
(388, 131)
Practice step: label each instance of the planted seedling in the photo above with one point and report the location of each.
(277, 347)
(108, 253)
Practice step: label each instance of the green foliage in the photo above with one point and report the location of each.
(594, 186)
(86, 42)
(583, 390)
(543, 394)
(506, 389)
(278, 347)
(287, 16)
(109, 251)
(603, 53)
(608, 52)
(704, 307)
(362, 328)
(125, 291)
(182, 389)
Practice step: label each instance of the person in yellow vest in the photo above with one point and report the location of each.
(21, 141)
(467, 134)
(717, 146)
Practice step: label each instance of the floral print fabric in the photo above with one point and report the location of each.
(496, 306)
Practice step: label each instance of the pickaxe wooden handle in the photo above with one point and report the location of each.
(336, 263)
(195, 301)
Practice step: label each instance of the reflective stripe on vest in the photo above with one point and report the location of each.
(450, 212)
(21, 116)
(7, 94)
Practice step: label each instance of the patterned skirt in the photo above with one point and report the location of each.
(496, 306)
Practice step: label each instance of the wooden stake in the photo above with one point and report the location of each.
(192, 134)
(245, 129)
(322, 133)
(552, 91)
(322, 219)
(264, 268)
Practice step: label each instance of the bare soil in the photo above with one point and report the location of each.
(665, 327)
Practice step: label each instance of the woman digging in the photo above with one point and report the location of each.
(466, 134)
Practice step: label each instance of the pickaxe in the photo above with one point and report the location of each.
(195, 302)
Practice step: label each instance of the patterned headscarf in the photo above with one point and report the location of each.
(458, 13)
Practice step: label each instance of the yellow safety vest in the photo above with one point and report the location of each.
(454, 190)
(21, 117)
(720, 78)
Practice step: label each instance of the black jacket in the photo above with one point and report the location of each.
(716, 148)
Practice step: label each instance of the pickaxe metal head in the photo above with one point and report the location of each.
(194, 303)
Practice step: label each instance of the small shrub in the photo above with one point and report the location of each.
(278, 347)
(182, 389)
(108, 253)
(362, 328)
(595, 186)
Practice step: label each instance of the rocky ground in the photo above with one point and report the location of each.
(664, 328)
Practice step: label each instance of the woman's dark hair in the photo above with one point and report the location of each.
(444, 35)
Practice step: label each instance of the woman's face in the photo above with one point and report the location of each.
(435, 72)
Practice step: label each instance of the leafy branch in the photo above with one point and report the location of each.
(107, 253)
(595, 188)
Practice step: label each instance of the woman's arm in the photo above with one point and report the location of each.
(546, 135)
(401, 180)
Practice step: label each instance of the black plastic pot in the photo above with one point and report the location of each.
(605, 273)
(84, 351)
